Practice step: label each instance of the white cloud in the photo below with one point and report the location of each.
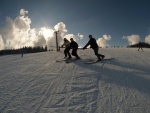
(41, 41)
(47, 32)
(22, 23)
(147, 39)
(133, 39)
(79, 36)
(107, 37)
(18, 33)
(1, 43)
(23, 12)
(102, 42)
(61, 27)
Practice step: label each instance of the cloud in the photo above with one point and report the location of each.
(147, 39)
(133, 39)
(60, 30)
(107, 37)
(61, 27)
(41, 41)
(18, 33)
(46, 32)
(22, 23)
(79, 36)
(1, 43)
(102, 42)
(23, 12)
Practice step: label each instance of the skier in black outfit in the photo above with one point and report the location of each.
(93, 44)
(67, 48)
(74, 47)
(140, 46)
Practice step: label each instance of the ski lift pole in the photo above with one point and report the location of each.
(57, 49)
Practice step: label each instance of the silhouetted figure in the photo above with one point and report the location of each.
(93, 44)
(74, 47)
(140, 46)
(67, 48)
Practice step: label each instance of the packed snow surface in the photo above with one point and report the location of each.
(36, 83)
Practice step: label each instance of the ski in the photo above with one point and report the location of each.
(71, 60)
(61, 59)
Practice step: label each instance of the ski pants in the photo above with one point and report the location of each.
(96, 52)
(74, 53)
(66, 52)
(140, 48)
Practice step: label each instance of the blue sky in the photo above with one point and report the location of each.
(116, 18)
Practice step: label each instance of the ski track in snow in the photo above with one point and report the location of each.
(38, 84)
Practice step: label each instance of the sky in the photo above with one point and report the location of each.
(111, 22)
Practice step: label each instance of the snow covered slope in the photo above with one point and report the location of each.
(38, 84)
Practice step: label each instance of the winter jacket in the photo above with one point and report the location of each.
(92, 42)
(74, 45)
(140, 44)
(66, 44)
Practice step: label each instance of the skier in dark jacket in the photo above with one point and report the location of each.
(140, 46)
(93, 44)
(74, 47)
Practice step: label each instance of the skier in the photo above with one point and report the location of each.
(74, 47)
(140, 46)
(93, 44)
(67, 48)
